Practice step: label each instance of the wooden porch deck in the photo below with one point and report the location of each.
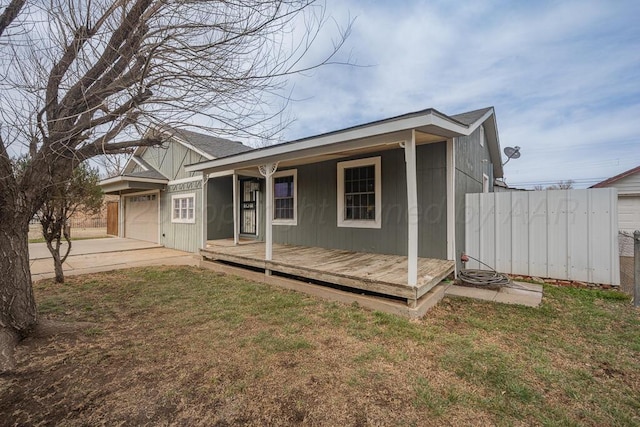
(378, 273)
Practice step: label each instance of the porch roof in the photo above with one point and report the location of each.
(133, 182)
(430, 126)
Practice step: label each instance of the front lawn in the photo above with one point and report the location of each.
(183, 346)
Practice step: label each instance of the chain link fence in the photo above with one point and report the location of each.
(80, 228)
(80, 222)
(625, 248)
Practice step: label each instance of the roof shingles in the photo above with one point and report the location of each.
(471, 117)
(214, 146)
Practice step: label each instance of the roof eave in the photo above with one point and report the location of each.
(493, 141)
(377, 133)
(132, 178)
(616, 178)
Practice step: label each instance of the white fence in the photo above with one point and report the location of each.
(560, 234)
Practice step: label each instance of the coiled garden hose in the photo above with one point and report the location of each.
(488, 279)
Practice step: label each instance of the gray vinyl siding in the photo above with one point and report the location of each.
(171, 158)
(184, 237)
(470, 165)
(220, 208)
(317, 211)
(432, 200)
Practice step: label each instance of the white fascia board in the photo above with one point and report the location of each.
(220, 174)
(243, 162)
(139, 163)
(329, 140)
(121, 178)
(480, 121)
(113, 180)
(493, 141)
(137, 152)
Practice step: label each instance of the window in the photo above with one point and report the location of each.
(481, 136)
(360, 193)
(145, 198)
(183, 208)
(285, 197)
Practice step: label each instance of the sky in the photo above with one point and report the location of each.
(563, 77)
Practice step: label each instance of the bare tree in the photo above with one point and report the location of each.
(112, 165)
(562, 185)
(82, 194)
(84, 78)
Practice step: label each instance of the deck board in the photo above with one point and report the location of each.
(380, 273)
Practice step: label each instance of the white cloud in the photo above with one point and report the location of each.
(564, 77)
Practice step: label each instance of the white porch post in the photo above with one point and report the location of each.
(236, 210)
(121, 229)
(451, 200)
(267, 171)
(205, 200)
(412, 209)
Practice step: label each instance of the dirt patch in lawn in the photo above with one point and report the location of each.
(183, 346)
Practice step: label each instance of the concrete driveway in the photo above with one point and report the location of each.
(94, 255)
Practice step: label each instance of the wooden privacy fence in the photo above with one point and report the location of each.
(559, 234)
(112, 218)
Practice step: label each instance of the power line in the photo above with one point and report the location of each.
(556, 181)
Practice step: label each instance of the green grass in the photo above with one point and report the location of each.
(216, 343)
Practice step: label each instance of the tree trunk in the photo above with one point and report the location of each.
(57, 260)
(18, 314)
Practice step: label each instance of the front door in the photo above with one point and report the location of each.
(249, 189)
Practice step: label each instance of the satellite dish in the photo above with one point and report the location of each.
(511, 153)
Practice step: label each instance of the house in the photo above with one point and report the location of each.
(628, 185)
(378, 207)
(160, 201)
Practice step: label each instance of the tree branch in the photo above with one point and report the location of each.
(10, 13)
(96, 148)
(109, 55)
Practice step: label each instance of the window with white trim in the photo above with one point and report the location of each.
(360, 193)
(183, 208)
(285, 186)
(482, 136)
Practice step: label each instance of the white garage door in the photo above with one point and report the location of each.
(141, 217)
(629, 213)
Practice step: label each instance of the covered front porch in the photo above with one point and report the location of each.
(376, 274)
(370, 208)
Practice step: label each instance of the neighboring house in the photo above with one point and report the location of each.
(395, 186)
(628, 185)
(161, 202)
(499, 186)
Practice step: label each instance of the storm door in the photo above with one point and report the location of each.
(249, 189)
